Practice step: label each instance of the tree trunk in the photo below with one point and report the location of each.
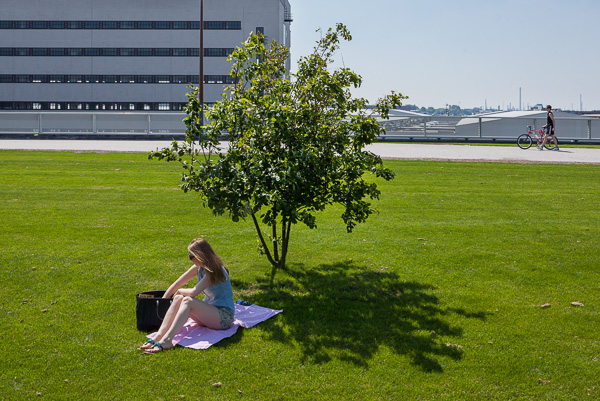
(276, 258)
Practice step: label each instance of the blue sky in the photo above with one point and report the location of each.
(464, 52)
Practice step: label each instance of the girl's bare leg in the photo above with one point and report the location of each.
(203, 313)
(167, 321)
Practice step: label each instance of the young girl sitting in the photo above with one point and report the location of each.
(215, 312)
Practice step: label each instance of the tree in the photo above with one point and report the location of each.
(296, 143)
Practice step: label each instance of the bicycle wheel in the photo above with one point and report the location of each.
(549, 143)
(524, 141)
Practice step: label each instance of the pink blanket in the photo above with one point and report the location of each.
(200, 337)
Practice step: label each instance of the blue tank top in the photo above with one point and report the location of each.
(219, 295)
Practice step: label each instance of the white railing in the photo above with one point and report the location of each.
(92, 123)
(484, 127)
(487, 127)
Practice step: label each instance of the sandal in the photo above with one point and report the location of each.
(144, 346)
(152, 350)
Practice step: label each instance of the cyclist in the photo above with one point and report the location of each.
(550, 124)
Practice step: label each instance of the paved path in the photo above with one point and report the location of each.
(386, 150)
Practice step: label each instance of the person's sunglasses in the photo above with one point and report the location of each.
(191, 256)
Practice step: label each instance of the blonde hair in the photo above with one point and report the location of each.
(212, 264)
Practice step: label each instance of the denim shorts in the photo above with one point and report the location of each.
(226, 318)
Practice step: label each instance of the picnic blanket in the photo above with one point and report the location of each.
(199, 337)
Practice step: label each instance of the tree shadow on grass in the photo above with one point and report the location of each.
(347, 312)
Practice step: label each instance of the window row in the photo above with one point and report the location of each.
(213, 25)
(92, 106)
(114, 79)
(100, 52)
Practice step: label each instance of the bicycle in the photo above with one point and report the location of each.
(526, 140)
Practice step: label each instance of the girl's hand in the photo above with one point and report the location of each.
(186, 292)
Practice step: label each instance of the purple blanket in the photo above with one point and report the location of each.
(200, 337)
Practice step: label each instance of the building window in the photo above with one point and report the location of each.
(219, 79)
(40, 79)
(162, 25)
(114, 79)
(217, 52)
(91, 51)
(180, 24)
(195, 25)
(112, 52)
(56, 24)
(56, 51)
(233, 25)
(74, 106)
(110, 25)
(22, 24)
(144, 24)
(92, 106)
(162, 52)
(92, 24)
(39, 24)
(180, 52)
(213, 25)
(222, 25)
(180, 79)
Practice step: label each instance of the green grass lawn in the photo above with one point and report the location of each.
(435, 298)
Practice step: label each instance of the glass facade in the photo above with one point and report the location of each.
(195, 25)
(106, 52)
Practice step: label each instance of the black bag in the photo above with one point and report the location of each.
(151, 309)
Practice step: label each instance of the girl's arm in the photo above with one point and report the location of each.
(199, 288)
(181, 281)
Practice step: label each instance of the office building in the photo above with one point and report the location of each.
(125, 55)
